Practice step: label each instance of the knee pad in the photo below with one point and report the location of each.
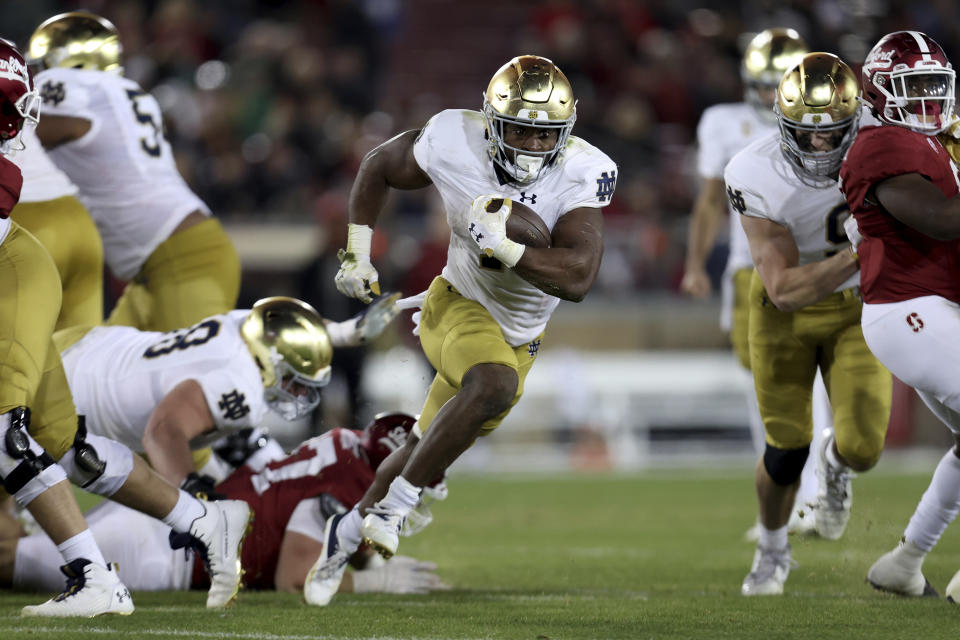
(97, 464)
(785, 465)
(25, 468)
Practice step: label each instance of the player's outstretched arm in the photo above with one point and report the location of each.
(708, 211)
(918, 203)
(179, 417)
(569, 268)
(789, 285)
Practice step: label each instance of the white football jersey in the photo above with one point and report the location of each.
(761, 183)
(723, 130)
(4, 229)
(452, 150)
(118, 375)
(123, 166)
(42, 180)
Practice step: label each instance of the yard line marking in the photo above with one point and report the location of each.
(58, 631)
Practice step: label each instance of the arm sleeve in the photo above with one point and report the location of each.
(63, 95)
(743, 196)
(595, 179)
(711, 157)
(881, 153)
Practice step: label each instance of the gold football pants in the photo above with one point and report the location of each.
(456, 334)
(785, 351)
(193, 274)
(64, 227)
(31, 374)
(740, 324)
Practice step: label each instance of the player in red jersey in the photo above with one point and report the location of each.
(291, 499)
(902, 186)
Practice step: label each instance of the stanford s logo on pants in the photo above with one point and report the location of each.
(915, 321)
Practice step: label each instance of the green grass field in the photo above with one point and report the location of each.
(656, 555)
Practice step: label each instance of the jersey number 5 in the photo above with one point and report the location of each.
(152, 146)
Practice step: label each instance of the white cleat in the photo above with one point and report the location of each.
(769, 572)
(381, 530)
(894, 574)
(92, 590)
(835, 495)
(218, 536)
(953, 589)
(323, 579)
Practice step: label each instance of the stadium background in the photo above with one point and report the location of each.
(270, 106)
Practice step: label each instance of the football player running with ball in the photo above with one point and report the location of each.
(483, 318)
(107, 135)
(901, 185)
(804, 308)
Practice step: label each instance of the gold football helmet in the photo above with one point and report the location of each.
(818, 108)
(768, 56)
(76, 40)
(533, 92)
(293, 352)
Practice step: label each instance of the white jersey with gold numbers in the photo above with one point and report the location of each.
(42, 180)
(123, 165)
(452, 150)
(761, 183)
(723, 130)
(118, 375)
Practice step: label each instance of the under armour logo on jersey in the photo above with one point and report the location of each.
(915, 321)
(232, 405)
(736, 199)
(605, 185)
(53, 92)
(533, 348)
(532, 197)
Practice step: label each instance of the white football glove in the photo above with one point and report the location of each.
(357, 278)
(366, 325)
(489, 230)
(852, 231)
(401, 574)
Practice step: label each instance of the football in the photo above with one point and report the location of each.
(524, 225)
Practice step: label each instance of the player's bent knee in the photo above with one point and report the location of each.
(863, 456)
(26, 470)
(97, 464)
(495, 385)
(785, 465)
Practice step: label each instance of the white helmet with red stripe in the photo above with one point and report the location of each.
(19, 102)
(909, 81)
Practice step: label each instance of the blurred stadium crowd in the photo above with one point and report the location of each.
(271, 104)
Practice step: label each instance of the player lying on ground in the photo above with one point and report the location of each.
(291, 497)
(166, 394)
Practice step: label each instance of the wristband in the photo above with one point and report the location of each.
(509, 252)
(359, 237)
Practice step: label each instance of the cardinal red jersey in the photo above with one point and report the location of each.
(898, 262)
(332, 464)
(11, 181)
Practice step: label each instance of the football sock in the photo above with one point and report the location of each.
(909, 556)
(81, 545)
(402, 497)
(348, 531)
(184, 512)
(938, 506)
(773, 538)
